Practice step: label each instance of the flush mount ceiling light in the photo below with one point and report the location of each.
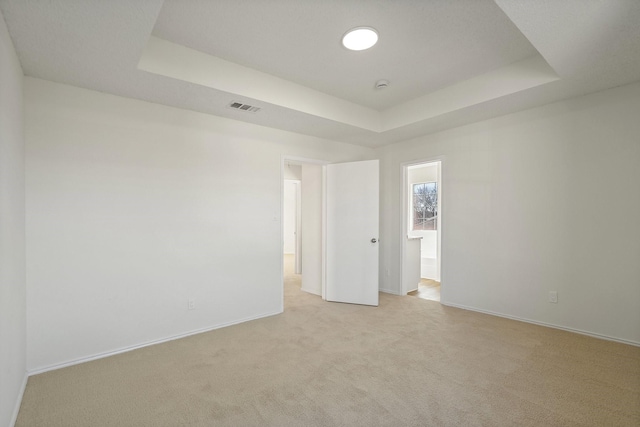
(360, 38)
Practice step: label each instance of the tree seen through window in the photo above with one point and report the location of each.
(425, 206)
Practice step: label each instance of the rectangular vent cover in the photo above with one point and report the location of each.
(244, 107)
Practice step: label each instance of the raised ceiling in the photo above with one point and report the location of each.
(448, 62)
(424, 46)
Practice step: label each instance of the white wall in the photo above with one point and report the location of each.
(289, 215)
(312, 228)
(502, 253)
(12, 233)
(423, 173)
(292, 172)
(133, 208)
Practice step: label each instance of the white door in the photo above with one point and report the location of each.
(352, 203)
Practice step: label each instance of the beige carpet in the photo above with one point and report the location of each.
(409, 362)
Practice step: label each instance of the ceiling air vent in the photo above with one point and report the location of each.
(244, 107)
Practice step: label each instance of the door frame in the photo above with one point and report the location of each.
(404, 181)
(296, 214)
(298, 255)
(284, 159)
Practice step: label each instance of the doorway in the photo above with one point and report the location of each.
(422, 229)
(338, 233)
(291, 224)
(301, 227)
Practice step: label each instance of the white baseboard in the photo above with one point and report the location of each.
(548, 325)
(389, 291)
(145, 344)
(16, 408)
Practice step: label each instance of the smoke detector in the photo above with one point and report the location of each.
(381, 84)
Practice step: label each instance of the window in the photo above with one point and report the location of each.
(425, 206)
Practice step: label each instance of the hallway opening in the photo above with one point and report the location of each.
(422, 191)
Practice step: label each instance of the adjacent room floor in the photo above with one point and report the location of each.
(427, 289)
(408, 362)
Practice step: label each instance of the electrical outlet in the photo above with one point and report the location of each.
(553, 297)
(191, 304)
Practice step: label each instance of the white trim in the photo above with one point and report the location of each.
(389, 291)
(303, 160)
(16, 408)
(298, 260)
(548, 325)
(146, 344)
(324, 234)
(283, 161)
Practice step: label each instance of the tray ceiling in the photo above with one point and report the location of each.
(448, 62)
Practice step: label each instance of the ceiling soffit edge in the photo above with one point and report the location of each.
(181, 63)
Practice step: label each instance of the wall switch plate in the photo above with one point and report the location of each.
(553, 297)
(191, 304)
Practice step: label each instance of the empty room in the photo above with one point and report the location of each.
(221, 213)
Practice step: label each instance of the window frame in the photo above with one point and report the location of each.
(412, 218)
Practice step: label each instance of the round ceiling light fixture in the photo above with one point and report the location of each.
(360, 38)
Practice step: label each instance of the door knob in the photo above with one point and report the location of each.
(374, 240)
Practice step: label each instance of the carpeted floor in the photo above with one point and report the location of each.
(408, 362)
